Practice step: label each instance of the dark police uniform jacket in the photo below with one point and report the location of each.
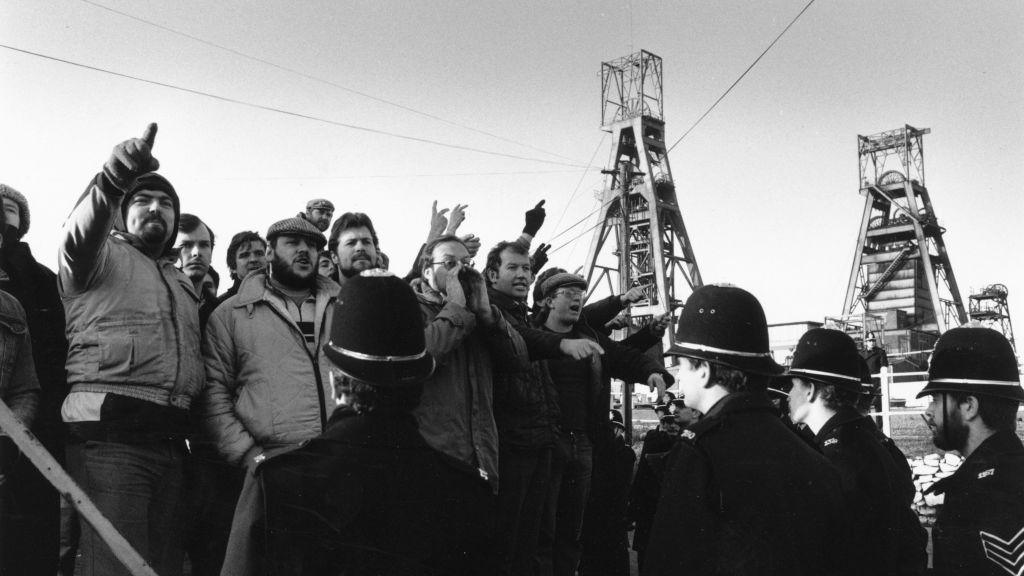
(886, 536)
(743, 495)
(979, 530)
(369, 497)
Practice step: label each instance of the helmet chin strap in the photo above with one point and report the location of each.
(945, 421)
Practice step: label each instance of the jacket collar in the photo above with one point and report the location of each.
(426, 294)
(735, 403)
(507, 303)
(844, 415)
(986, 455)
(254, 288)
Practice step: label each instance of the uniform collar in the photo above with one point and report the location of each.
(844, 415)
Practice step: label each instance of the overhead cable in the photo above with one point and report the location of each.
(323, 80)
(393, 176)
(749, 68)
(580, 181)
(290, 113)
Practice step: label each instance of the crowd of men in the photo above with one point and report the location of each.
(325, 416)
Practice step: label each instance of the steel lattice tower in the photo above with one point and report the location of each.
(991, 308)
(639, 210)
(901, 273)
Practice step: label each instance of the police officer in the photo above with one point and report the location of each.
(975, 392)
(825, 387)
(741, 493)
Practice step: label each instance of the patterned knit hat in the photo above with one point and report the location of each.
(296, 227)
(26, 217)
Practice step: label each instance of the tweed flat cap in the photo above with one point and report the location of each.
(296, 227)
(319, 204)
(560, 280)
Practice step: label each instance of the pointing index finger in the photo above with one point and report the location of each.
(149, 136)
(539, 204)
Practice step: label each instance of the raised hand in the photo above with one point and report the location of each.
(453, 288)
(535, 219)
(457, 216)
(131, 159)
(633, 295)
(472, 244)
(540, 257)
(477, 300)
(438, 222)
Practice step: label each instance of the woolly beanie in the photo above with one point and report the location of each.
(26, 217)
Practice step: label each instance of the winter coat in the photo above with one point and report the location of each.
(35, 288)
(646, 488)
(370, 497)
(743, 495)
(525, 401)
(455, 415)
(979, 530)
(887, 537)
(19, 388)
(618, 361)
(132, 321)
(264, 389)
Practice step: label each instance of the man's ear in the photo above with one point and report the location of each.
(704, 372)
(492, 276)
(969, 408)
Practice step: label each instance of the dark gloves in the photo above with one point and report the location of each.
(131, 159)
(534, 219)
(540, 257)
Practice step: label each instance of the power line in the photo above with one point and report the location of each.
(323, 80)
(580, 182)
(576, 237)
(389, 176)
(749, 68)
(290, 113)
(603, 205)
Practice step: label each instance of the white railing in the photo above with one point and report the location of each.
(905, 389)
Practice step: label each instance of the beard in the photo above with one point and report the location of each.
(153, 231)
(283, 273)
(357, 266)
(952, 434)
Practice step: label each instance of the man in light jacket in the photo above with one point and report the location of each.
(133, 363)
(267, 380)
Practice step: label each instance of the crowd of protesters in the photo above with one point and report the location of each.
(323, 416)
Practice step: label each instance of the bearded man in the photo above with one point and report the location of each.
(267, 384)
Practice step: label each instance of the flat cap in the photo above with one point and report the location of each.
(296, 227)
(560, 280)
(319, 204)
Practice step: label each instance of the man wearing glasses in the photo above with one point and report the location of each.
(468, 338)
(584, 393)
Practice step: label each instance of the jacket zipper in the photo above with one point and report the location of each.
(312, 360)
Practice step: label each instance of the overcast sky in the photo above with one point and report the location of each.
(767, 183)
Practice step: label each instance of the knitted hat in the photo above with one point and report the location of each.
(296, 227)
(319, 204)
(827, 356)
(377, 332)
(154, 181)
(26, 217)
(726, 325)
(562, 280)
(974, 360)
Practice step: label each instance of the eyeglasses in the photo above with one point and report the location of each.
(452, 263)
